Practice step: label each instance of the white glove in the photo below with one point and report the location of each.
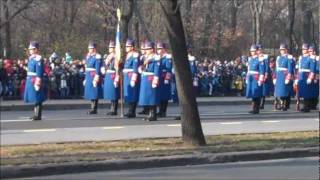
(309, 81)
(132, 83)
(94, 83)
(155, 82)
(286, 81)
(195, 82)
(103, 70)
(36, 87)
(274, 81)
(166, 81)
(116, 81)
(259, 83)
(84, 82)
(296, 82)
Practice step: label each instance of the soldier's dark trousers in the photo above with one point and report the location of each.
(284, 103)
(132, 110)
(306, 105)
(37, 112)
(263, 100)
(255, 105)
(113, 108)
(288, 102)
(144, 110)
(163, 109)
(152, 114)
(94, 106)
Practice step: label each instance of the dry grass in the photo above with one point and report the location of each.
(107, 150)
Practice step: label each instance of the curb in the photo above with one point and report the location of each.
(152, 162)
(29, 107)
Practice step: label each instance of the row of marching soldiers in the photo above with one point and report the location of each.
(291, 76)
(147, 79)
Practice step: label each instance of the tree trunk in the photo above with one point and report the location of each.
(233, 18)
(1, 44)
(191, 126)
(307, 16)
(291, 7)
(7, 29)
(186, 14)
(207, 29)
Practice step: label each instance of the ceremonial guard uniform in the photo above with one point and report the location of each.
(165, 79)
(267, 85)
(150, 80)
(283, 77)
(315, 84)
(92, 83)
(34, 89)
(111, 80)
(254, 79)
(131, 79)
(305, 77)
(142, 58)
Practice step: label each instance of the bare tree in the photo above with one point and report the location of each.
(292, 10)
(256, 7)
(191, 125)
(307, 24)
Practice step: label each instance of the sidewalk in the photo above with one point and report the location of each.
(60, 104)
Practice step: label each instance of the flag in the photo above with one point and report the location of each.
(118, 36)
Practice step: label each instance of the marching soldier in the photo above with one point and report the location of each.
(165, 78)
(315, 84)
(150, 79)
(194, 69)
(254, 79)
(267, 76)
(305, 78)
(283, 77)
(34, 90)
(142, 58)
(92, 82)
(131, 79)
(111, 80)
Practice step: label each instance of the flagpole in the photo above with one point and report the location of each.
(119, 63)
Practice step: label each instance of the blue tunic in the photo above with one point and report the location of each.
(131, 94)
(267, 85)
(93, 66)
(110, 92)
(148, 94)
(35, 70)
(256, 68)
(316, 81)
(165, 78)
(314, 66)
(305, 67)
(284, 67)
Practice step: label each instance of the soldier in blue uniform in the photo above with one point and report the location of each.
(142, 58)
(92, 82)
(165, 78)
(193, 68)
(267, 76)
(305, 78)
(150, 81)
(111, 80)
(131, 79)
(34, 89)
(283, 77)
(255, 79)
(315, 84)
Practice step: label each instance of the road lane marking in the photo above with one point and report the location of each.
(39, 130)
(173, 125)
(230, 123)
(113, 127)
(270, 121)
(15, 120)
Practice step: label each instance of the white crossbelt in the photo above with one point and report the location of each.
(147, 73)
(110, 71)
(304, 70)
(31, 73)
(253, 72)
(90, 69)
(127, 70)
(282, 69)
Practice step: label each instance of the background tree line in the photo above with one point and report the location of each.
(216, 28)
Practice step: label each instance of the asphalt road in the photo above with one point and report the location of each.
(284, 169)
(76, 125)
